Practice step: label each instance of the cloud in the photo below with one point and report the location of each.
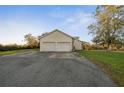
(77, 23)
(78, 20)
(58, 13)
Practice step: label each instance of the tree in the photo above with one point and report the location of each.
(43, 34)
(108, 25)
(32, 41)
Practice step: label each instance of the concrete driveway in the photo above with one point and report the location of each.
(33, 68)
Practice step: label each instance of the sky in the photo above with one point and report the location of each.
(17, 21)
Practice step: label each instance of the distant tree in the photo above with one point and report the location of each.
(32, 41)
(43, 34)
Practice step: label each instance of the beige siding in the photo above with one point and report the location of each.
(78, 45)
(55, 37)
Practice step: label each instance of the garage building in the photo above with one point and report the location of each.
(58, 41)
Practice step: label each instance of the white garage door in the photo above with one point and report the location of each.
(57, 46)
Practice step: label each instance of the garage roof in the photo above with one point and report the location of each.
(58, 31)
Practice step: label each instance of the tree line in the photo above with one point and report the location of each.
(31, 43)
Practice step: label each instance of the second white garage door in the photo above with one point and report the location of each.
(57, 46)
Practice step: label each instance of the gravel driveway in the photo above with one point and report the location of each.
(33, 68)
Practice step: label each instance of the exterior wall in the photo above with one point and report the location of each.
(41, 43)
(55, 37)
(78, 45)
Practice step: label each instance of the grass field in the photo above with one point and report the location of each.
(15, 51)
(111, 63)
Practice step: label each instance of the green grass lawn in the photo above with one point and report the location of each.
(15, 51)
(111, 63)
